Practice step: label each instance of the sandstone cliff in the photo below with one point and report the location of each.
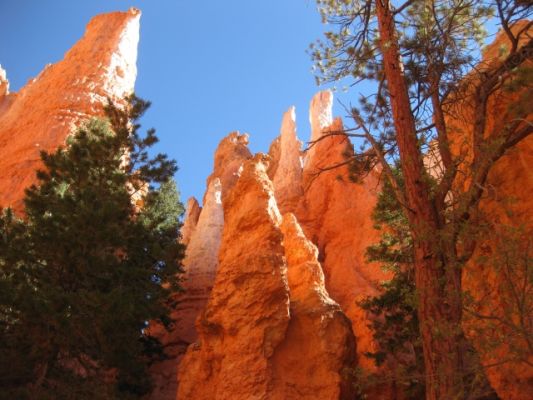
(318, 348)
(336, 215)
(248, 310)
(497, 279)
(202, 232)
(200, 264)
(287, 177)
(192, 214)
(42, 114)
(269, 330)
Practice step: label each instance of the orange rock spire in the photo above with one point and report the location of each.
(43, 113)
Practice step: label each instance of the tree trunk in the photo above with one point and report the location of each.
(439, 313)
(437, 278)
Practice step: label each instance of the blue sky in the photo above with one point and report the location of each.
(209, 67)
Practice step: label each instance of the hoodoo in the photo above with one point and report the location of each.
(43, 113)
(270, 329)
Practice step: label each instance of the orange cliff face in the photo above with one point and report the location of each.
(248, 310)
(44, 112)
(498, 282)
(269, 330)
(202, 233)
(336, 215)
(323, 260)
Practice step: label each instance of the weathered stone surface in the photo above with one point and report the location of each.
(318, 348)
(496, 276)
(274, 152)
(248, 311)
(200, 264)
(231, 153)
(201, 258)
(201, 261)
(42, 114)
(6, 98)
(335, 214)
(320, 119)
(252, 342)
(320, 113)
(287, 178)
(192, 213)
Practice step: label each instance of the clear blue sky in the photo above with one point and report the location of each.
(209, 67)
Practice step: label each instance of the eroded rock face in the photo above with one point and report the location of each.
(336, 215)
(318, 340)
(320, 113)
(201, 257)
(495, 278)
(43, 113)
(192, 213)
(260, 338)
(231, 153)
(248, 311)
(4, 83)
(287, 178)
(200, 265)
(202, 232)
(318, 348)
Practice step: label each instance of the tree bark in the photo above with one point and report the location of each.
(437, 276)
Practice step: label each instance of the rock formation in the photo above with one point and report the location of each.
(318, 347)
(259, 337)
(192, 213)
(287, 177)
(4, 84)
(231, 152)
(202, 232)
(499, 322)
(200, 264)
(42, 114)
(336, 215)
(248, 311)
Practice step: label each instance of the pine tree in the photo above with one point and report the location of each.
(93, 261)
(416, 61)
(395, 310)
(395, 319)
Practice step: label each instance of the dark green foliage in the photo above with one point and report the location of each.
(163, 206)
(395, 324)
(81, 275)
(395, 315)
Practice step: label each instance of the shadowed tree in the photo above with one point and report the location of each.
(82, 273)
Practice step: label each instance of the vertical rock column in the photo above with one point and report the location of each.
(202, 233)
(247, 314)
(4, 83)
(192, 213)
(335, 215)
(318, 349)
(287, 178)
(43, 113)
(200, 265)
